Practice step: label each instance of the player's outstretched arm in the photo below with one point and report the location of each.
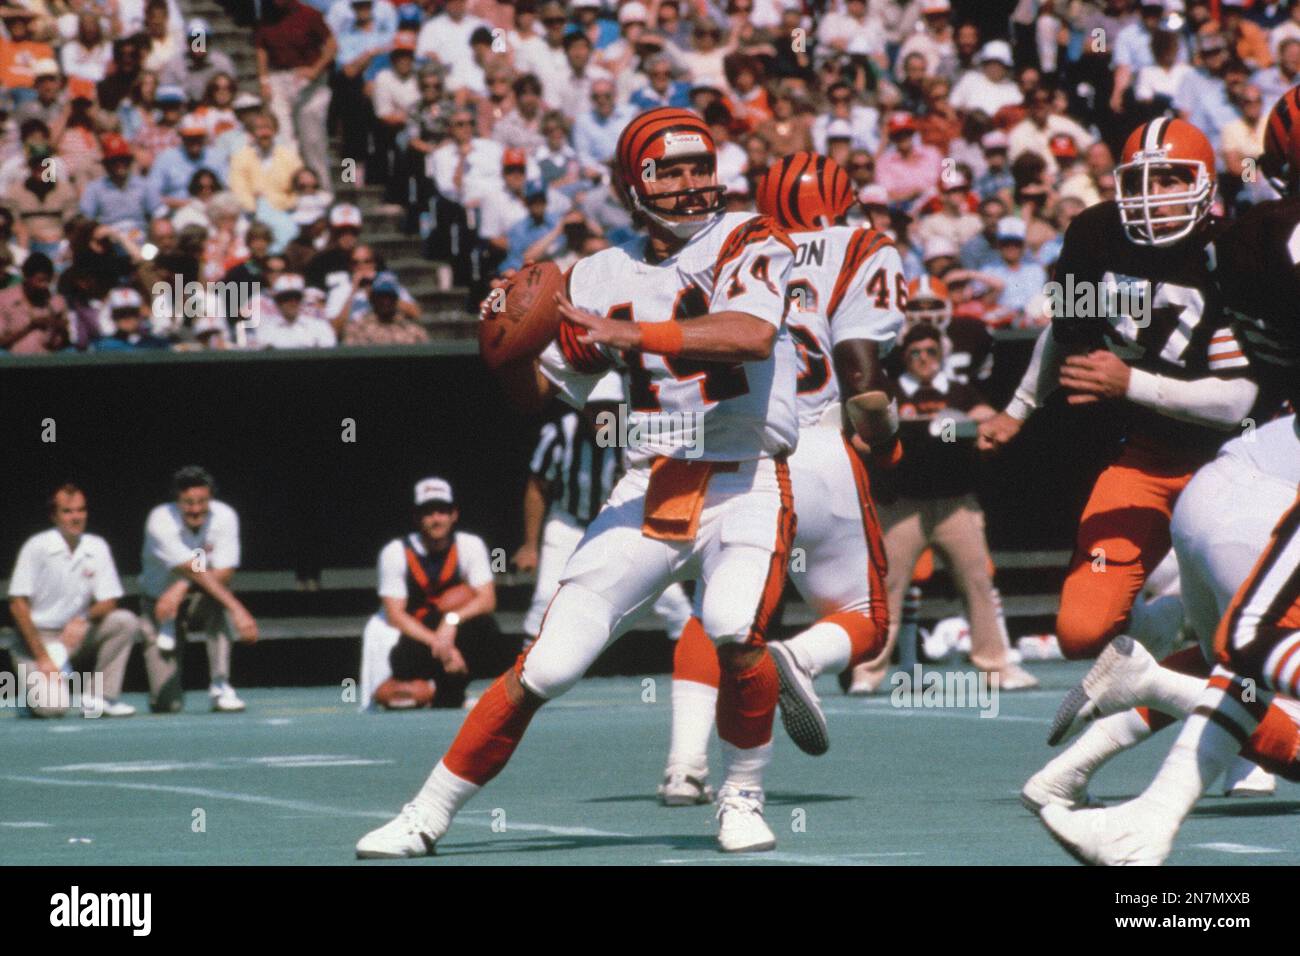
(717, 337)
(1041, 377)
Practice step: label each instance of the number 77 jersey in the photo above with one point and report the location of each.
(681, 407)
(847, 283)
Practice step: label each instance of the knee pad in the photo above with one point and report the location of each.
(577, 626)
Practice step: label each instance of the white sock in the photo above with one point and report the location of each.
(1173, 693)
(442, 796)
(743, 769)
(695, 706)
(1200, 754)
(823, 647)
(1102, 740)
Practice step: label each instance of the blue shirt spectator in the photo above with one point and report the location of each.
(120, 196)
(169, 178)
(596, 132)
(1021, 279)
(526, 232)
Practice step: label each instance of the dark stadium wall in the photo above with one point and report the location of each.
(271, 431)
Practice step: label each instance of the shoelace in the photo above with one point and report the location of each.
(737, 800)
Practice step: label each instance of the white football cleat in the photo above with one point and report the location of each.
(685, 786)
(93, 707)
(407, 835)
(1246, 779)
(801, 709)
(1116, 682)
(741, 827)
(224, 699)
(1060, 784)
(1127, 835)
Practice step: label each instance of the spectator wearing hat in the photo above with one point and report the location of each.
(48, 105)
(536, 233)
(992, 88)
(1035, 132)
(63, 596)
(119, 196)
(42, 201)
(934, 41)
(331, 266)
(660, 88)
(261, 177)
(860, 119)
(294, 50)
(384, 323)
(246, 107)
(928, 500)
(953, 219)
(348, 302)
(125, 310)
(169, 176)
(33, 320)
(19, 52)
(445, 37)
(996, 181)
(588, 21)
(1288, 29)
(88, 54)
(195, 67)
(293, 330)
(157, 134)
(437, 597)
(1021, 278)
(906, 168)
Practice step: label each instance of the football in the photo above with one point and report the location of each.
(519, 319)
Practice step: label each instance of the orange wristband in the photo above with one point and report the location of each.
(661, 338)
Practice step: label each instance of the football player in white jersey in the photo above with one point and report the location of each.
(694, 312)
(846, 295)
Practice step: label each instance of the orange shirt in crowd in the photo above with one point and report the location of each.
(18, 60)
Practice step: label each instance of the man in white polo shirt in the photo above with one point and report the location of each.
(63, 597)
(294, 330)
(190, 553)
(437, 596)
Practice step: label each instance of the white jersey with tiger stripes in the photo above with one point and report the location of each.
(684, 408)
(847, 283)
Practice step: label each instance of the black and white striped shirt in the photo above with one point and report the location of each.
(579, 474)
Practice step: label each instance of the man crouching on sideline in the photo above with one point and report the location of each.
(438, 595)
(63, 596)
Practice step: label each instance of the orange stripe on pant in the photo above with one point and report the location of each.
(1123, 535)
(747, 699)
(867, 635)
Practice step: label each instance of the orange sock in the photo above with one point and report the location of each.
(866, 639)
(489, 735)
(747, 704)
(695, 658)
(1275, 744)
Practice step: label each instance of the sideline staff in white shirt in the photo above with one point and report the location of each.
(191, 550)
(63, 597)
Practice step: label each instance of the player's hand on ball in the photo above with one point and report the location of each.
(1097, 375)
(525, 559)
(599, 330)
(996, 433)
(245, 624)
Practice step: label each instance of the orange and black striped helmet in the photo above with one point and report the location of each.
(805, 191)
(1280, 163)
(660, 135)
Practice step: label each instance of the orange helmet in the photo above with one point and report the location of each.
(1164, 145)
(805, 191)
(928, 300)
(661, 135)
(1280, 163)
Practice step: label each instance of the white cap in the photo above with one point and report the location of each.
(632, 12)
(608, 389)
(123, 299)
(1010, 227)
(839, 129)
(287, 283)
(998, 50)
(344, 215)
(45, 67)
(939, 247)
(995, 139)
(873, 195)
(433, 489)
(246, 101)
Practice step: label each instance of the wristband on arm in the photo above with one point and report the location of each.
(661, 338)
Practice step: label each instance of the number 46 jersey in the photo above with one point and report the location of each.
(680, 407)
(847, 283)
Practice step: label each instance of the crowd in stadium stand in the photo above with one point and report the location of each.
(132, 154)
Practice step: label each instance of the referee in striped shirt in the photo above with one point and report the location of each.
(571, 475)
